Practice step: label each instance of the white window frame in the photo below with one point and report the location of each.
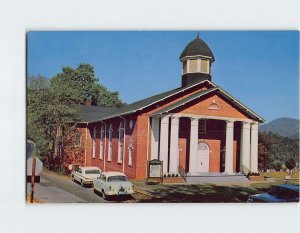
(101, 142)
(109, 154)
(121, 142)
(94, 143)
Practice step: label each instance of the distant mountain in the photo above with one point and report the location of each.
(284, 126)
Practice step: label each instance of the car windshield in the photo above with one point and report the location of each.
(95, 171)
(116, 178)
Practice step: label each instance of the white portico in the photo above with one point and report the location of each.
(165, 144)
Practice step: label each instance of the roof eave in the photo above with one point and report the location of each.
(139, 109)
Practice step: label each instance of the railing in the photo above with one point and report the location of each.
(182, 172)
(245, 170)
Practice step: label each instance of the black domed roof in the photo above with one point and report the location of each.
(197, 47)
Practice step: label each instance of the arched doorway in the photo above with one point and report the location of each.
(203, 157)
(199, 161)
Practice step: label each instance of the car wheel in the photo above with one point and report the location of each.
(104, 195)
(81, 183)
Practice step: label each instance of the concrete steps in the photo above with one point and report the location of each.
(198, 178)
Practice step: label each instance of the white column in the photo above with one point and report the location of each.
(245, 145)
(193, 144)
(174, 155)
(229, 148)
(154, 137)
(164, 135)
(254, 148)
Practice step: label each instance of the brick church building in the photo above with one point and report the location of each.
(197, 128)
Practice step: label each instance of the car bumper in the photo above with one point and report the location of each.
(120, 193)
(88, 181)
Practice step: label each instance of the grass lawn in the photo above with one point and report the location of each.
(281, 175)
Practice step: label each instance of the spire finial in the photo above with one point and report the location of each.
(197, 35)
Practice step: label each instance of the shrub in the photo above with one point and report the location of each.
(290, 163)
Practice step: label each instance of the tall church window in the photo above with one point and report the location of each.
(94, 142)
(121, 143)
(130, 148)
(101, 142)
(110, 132)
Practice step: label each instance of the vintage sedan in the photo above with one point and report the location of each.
(278, 193)
(86, 175)
(113, 184)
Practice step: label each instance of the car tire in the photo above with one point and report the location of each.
(104, 195)
(81, 183)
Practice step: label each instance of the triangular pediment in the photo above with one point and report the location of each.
(211, 102)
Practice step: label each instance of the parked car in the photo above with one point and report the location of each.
(113, 184)
(85, 175)
(278, 193)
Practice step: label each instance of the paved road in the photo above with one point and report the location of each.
(60, 189)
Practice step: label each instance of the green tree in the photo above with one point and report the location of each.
(81, 86)
(50, 116)
(52, 113)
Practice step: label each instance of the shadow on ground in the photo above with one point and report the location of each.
(201, 193)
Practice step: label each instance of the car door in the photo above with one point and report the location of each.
(98, 184)
(77, 175)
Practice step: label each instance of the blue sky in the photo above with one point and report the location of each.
(259, 68)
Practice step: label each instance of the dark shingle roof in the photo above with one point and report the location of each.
(197, 47)
(131, 108)
(91, 113)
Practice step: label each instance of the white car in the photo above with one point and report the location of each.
(86, 175)
(113, 184)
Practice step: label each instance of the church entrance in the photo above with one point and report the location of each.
(200, 159)
(203, 157)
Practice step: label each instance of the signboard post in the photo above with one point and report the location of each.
(32, 179)
(155, 171)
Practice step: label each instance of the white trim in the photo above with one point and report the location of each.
(148, 129)
(226, 95)
(195, 56)
(85, 146)
(130, 149)
(120, 143)
(164, 139)
(229, 147)
(154, 137)
(213, 117)
(101, 142)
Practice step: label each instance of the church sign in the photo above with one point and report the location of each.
(155, 169)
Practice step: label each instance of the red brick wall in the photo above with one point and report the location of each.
(113, 165)
(201, 106)
(142, 145)
(140, 138)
